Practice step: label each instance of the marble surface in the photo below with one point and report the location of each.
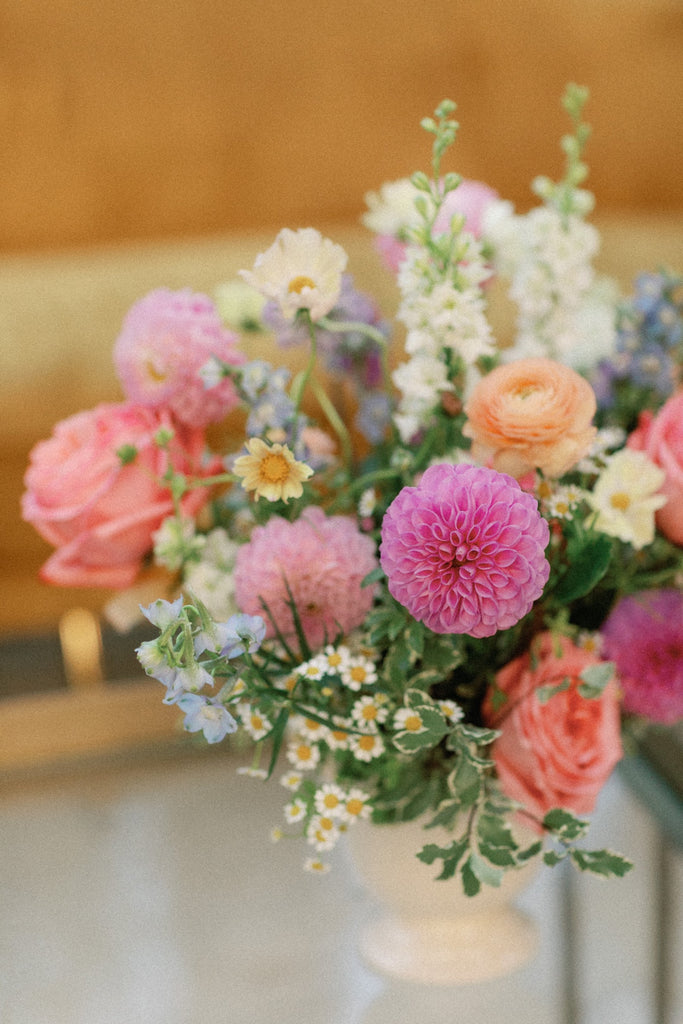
(151, 894)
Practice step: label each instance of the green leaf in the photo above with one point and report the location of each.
(375, 576)
(276, 736)
(564, 824)
(470, 881)
(553, 857)
(595, 679)
(605, 863)
(497, 855)
(544, 693)
(465, 783)
(588, 562)
(446, 815)
(529, 852)
(495, 831)
(415, 638)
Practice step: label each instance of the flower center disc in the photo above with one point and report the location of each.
(274, 468)
(297, 284)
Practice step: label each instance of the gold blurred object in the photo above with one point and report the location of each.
(81, 642)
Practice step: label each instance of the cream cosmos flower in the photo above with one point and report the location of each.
(301, 270)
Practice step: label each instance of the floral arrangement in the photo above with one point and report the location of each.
(450, 592)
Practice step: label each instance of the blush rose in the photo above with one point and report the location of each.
(98, 512)
(531, 414)
(661, 438)
(558, 752)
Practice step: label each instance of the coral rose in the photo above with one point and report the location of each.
(322, 560)
(531, 414)
(558, 752)
(99, 513)
(661, 438)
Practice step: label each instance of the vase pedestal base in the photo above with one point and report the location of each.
(470, 948)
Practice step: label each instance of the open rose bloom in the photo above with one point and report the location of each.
(415, 578)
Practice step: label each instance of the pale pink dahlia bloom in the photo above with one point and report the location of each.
(464, 550)
(643, 635)
(165, 340)
(322, 560)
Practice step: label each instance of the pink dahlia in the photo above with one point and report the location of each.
(322, 560)
(464, 550)
(643, 635)
(166, 339)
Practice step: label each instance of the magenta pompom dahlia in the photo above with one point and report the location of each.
(643, 635)
(322, 560)
(464, 550)
(166, 338)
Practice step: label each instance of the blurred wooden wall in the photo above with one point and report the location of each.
(123, 119)
(160, 122)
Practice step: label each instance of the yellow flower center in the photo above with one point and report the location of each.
(358, 674)
(620, 501)
(274, 468)
(413, 723)
(369, 713)
(366, 742)
(354, 806)
(297, 284)
(331, 800)
(154, 374)
(334, 659)
(303, 752)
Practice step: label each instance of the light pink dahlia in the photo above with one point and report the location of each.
(643, 635)
(323, 561)
(165, 340)
(464, 550)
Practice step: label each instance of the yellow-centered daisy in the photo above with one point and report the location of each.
(271, 471)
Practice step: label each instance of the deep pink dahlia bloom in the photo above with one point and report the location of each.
(323, 561)
(464, 550)
(643, 635)
(165, 340)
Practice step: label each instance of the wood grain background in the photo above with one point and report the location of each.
(139, 140)
(122, 119)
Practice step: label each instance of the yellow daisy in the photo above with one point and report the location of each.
(271, 471)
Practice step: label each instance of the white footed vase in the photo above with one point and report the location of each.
(426, 930)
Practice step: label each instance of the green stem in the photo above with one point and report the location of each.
(335, 421)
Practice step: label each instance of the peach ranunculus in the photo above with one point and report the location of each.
(531, 414)
(99, 512)
(661, 438)
(557, 748)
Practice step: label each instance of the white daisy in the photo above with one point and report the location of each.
(356, 805)
(408, 720)
(323, 832)
(256, 724)
(369, 712)
(358, 671)
(291, 780)
(294, 811)
(330, 799)
(304, 756)
(316, 866)
(366, 747)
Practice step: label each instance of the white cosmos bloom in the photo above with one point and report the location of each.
(301, 270)
(626, 499)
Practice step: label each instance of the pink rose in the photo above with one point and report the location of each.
(661, 438)
(99, 513)
(560, 751)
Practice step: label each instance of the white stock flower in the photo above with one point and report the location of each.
(392, 209)
(301, 270)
